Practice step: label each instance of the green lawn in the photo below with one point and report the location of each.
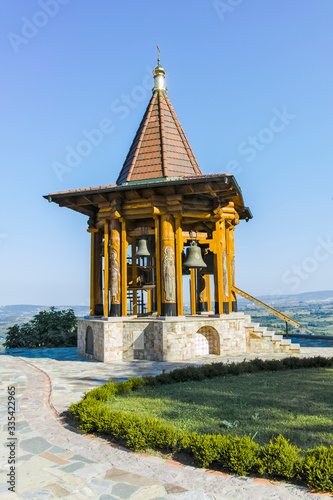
(295, 403)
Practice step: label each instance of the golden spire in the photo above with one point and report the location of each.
(159, 75)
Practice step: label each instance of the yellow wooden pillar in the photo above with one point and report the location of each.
(202, 291)
(231, 266)
(193, 292)
(134, 277)
(179, 264)
(149, 306)
(158, 265)
(106, 268)
(168, 268)
(123, 268)
(98, 273)
(209, 297)
(115, 274)
(221, 269)
(93, 250)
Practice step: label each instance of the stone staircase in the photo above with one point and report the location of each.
(260, 340)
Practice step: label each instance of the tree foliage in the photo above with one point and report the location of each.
(48, 328)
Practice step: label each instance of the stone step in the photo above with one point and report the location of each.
(285, 342)
(269, 333)
(277, 338)
(295, 347)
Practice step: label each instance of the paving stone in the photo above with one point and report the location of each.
(99, 485)
(57, 450)
(123, 490)
(58, 490)
(125, 477)
(73, 467)
(35, 445)
(54, 458)
(37, 493)
(107, 497)
(82, 459)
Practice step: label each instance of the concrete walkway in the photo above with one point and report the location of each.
(53, 461)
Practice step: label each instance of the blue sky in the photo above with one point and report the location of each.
(251, 82)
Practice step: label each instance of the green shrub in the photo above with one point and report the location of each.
(242, 455)
(317, 469)
(208, 448)
(48, 328)
(280, 459)
(239, 455)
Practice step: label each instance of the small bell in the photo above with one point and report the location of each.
(142, 248)
(194, 257)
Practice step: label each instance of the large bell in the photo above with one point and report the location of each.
(142, 248)
(194, 257)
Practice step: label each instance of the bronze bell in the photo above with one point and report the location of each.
(142, 248)
(194, 257)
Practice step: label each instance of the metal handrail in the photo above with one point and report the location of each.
(267, 307)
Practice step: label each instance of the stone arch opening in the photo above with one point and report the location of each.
(89, 341)
(207, 341)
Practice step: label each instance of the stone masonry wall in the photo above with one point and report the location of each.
(174, 339)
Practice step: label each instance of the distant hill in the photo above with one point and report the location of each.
(325, 295)
(28, 311)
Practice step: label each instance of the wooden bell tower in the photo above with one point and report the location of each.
(162, 198)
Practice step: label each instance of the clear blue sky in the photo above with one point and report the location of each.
(251, 82)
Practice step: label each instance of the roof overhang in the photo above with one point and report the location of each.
(221, 186)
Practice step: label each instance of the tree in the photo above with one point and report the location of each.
(48, 328)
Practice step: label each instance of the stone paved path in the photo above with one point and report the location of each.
(55, 462)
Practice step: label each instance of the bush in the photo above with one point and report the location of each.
(242, 455)
(280, 459)
(48, 328)
(239, 455)
(317, 469)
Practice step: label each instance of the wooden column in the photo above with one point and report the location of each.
(231, 266)
(93, 250)
(134, 277)
(221, 270)
(202, 291)
(115, 274)
(158, 265)
(209, 298)
(193, 292)
(123, 268)
(106, 268)
(179, 264)
(168, 268)
(98, 273)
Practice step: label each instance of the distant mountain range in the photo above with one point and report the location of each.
(28, 311)
(325, 295)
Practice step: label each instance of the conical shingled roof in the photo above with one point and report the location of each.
(160, 148)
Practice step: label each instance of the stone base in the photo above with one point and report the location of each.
(176, 338)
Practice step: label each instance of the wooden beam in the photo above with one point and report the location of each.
(106, 268)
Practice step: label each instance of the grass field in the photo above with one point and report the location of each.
(297, 404)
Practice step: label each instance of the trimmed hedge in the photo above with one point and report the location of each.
(239, 455)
